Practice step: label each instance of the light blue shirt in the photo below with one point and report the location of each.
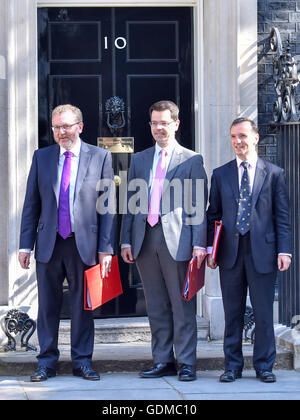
(169, 149)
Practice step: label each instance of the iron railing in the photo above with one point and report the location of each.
(286, 117)
(288, 140)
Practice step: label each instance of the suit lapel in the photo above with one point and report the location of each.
(148, 164)
(53, 168)
(233, 178)
(259, 178)
(175, 161)
(84, 160)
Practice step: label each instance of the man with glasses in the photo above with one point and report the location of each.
(163, 240)
(60, 218)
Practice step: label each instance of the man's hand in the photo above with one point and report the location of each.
(24, 260)
(127, 255)
(283, 262)
(211, 263)
(105, 263)
(200, 254)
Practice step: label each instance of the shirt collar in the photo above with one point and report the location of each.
(252, 161)
(169, 149)
(75, 149)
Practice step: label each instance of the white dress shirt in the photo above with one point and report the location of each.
(251, 169)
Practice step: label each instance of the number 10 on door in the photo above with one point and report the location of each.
(120, 43)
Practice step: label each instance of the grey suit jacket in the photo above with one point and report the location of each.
(93, 233)
(270, 231)
(183, 203)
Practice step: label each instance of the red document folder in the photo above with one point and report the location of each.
(194, 279)
(218, 229)
(98, 290)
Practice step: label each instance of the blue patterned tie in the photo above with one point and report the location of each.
(244, 209)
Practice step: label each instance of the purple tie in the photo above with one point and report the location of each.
(157, 187)
(64, 219)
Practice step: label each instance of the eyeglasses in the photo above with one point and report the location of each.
(66, 127)
(162, 123)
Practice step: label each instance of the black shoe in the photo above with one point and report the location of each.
(230, 375)
(187, 373)
(266, 376)
(86, 372)
(159, 370)
(42, 374)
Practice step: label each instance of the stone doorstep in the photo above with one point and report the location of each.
(131, 357)
(123, 345)
(124, 330)
(128, 355)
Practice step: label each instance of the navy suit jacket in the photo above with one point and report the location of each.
(93, 233)
(270, 231)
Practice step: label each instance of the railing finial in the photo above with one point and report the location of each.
(286, 80)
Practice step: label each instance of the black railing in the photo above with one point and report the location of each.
(288, 143)
(286, 117)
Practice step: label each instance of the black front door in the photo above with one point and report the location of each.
(141, 55)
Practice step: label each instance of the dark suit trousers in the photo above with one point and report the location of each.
(64, 263)
(172, 320)
(234, 284)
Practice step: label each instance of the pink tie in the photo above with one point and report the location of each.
(157, 187)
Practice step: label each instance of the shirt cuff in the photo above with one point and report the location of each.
(25, 250)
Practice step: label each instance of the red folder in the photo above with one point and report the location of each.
(98, 290)
(194, 279)
(217, 235)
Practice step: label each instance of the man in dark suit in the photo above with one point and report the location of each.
(60, 218)
(249, 195)
(162, 234)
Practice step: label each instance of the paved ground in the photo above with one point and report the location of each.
(128, 386)
(119, 364)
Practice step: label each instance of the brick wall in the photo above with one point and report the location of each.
(285, 15)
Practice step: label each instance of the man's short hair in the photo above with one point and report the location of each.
(67, 107)
(243, 119)
(166, 105)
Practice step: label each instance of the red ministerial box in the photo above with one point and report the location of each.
(217, 235)
(194, 279)
(98, 290)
